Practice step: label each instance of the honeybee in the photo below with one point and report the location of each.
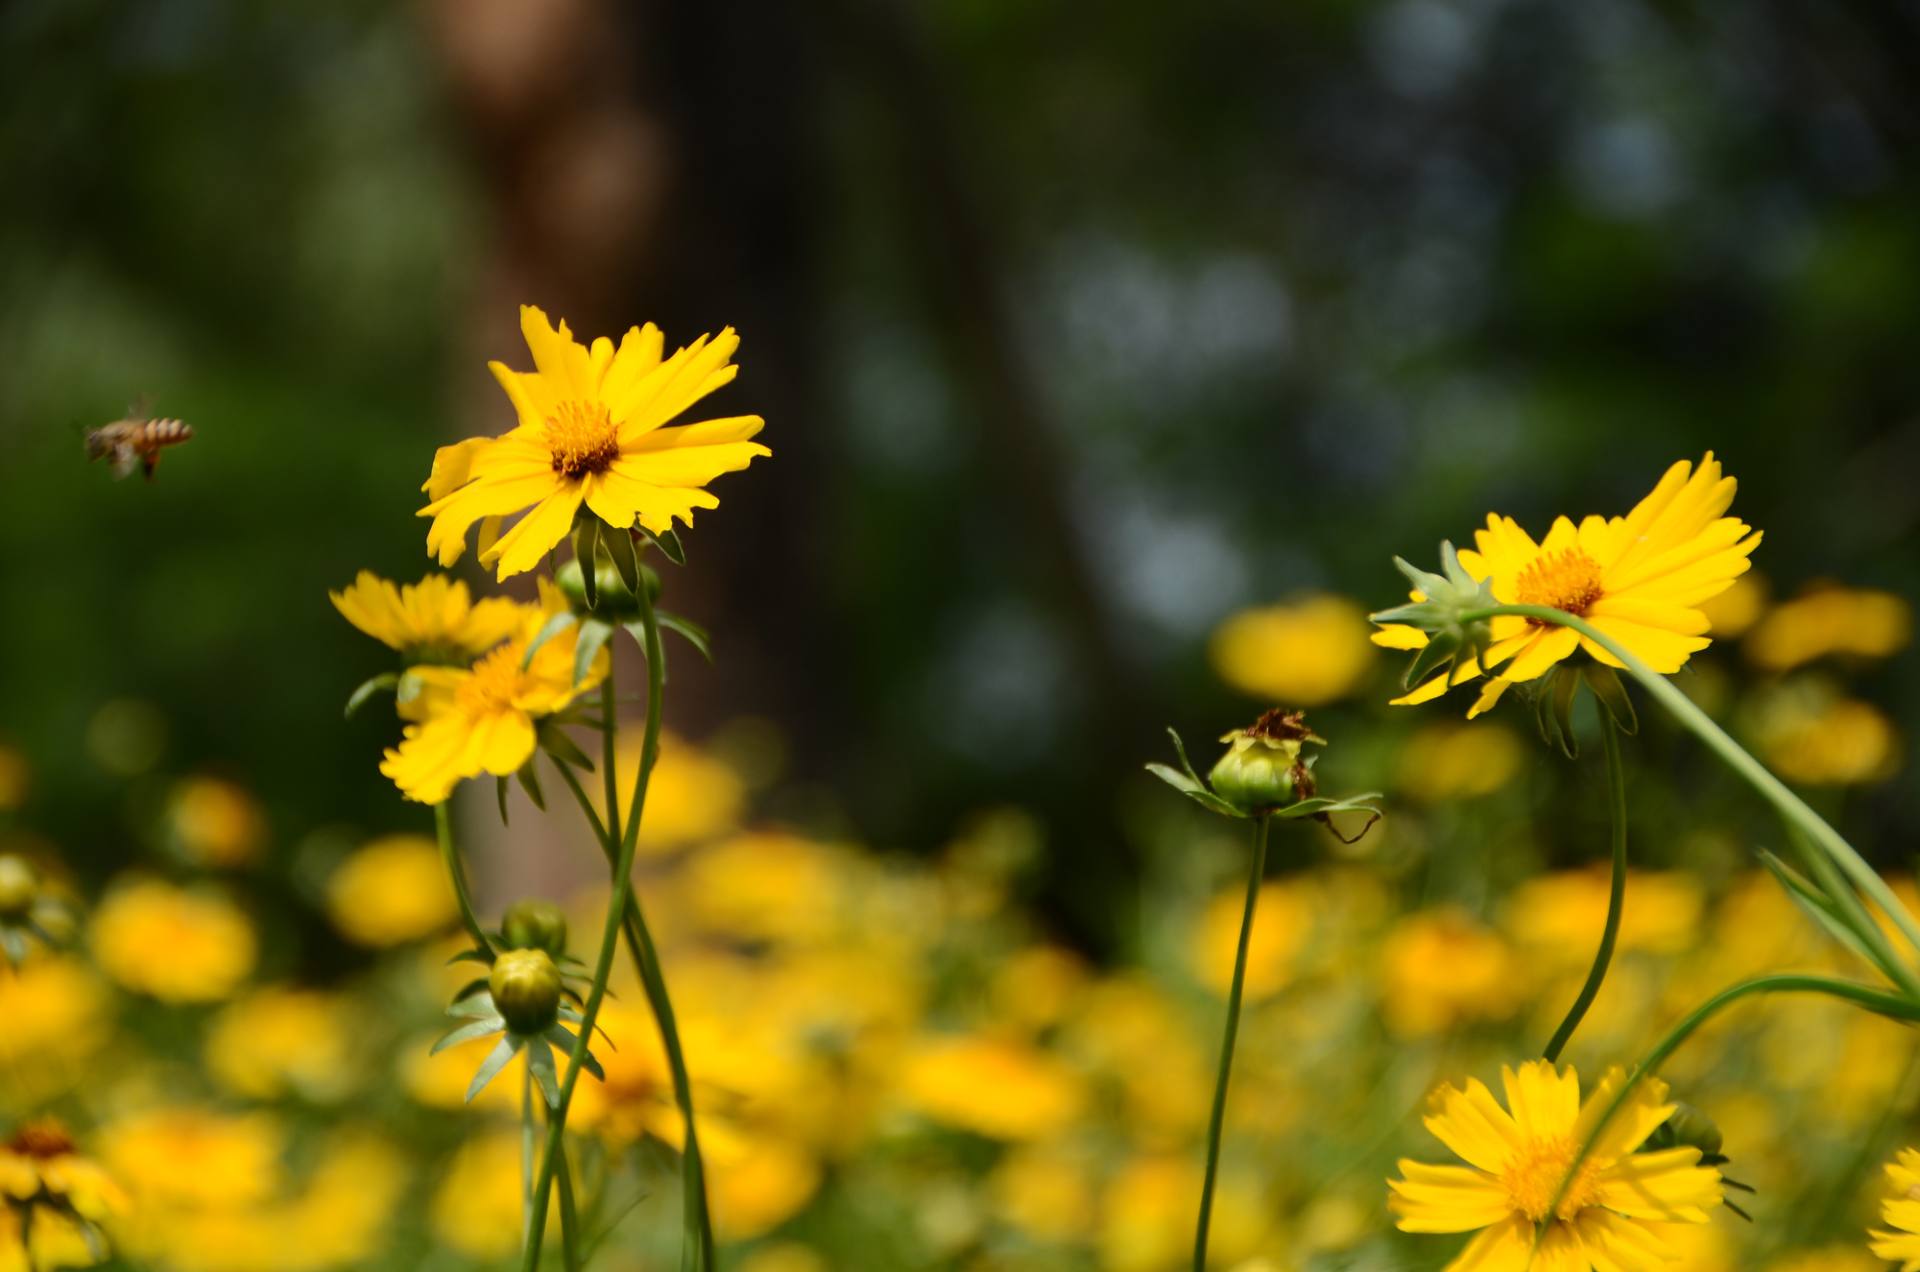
(137, 439)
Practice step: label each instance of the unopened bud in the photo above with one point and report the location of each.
(534, 924)
(1263, 769)
(616, 600)
(526, 989)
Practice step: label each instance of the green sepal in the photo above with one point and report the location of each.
(1188, 783)
(500, 796)
(692, 632)
(406, 690)
(593, 638)
(1321, 805)
(668, 542)
(540, 1064)
(1816, 905)
(625, 555)
(1566, 684)
(471, 1008)
(490, 1067)
(555, 742)
(471, 988)
(548, 630)
(638, 630)
(467, 1033)
(529, 780)
(1612, 696)
(563, 1038)
(586, 539)
(1438, 654)
(472, 956)
(385, 681)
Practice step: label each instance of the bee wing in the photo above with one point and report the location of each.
(125, 459)
(140, 408)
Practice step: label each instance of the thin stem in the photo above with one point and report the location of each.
(1616, 897)
(610, 833)
(569, 1217)
(528, 1136)
(1789, 805)
(1217, 1120)
(443, 826)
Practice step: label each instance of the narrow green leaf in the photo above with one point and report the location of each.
(593, 638)
(529, 779)
(638, 631)
(490, 1067)
(1321, 805)
(1186, 765)
(500, 795)
(551, 628)
(668, 543)
(1816, 907)
(586, 538)
(1612, 696)
(693, 633)
(540, 1061)
(472, 1008)
(389, 680)
(625, 555)
(467, 1033)
(1176, 779)
(563, 748)
(470, 956)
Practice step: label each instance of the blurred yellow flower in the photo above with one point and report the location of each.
(393, 890)
(1458, 761)
(57, 1200)
(1808, 733)
(993, 1087)
(1133, 1037)
(1305, 652)
(1900, 1212)
(1518, 1158)
(185, 1156)
(785, 1256)
(635, 1097)
(1639, 579)
(1738, 608)
(1046, 1192)
(1281, 925)
(1036, 987)
(476, 1205)
(692, 797)
(482, 719)
(213, 822)
(1558, 918)
(169, 943)
(439, 1080)
(591, 431)
(1828, 620)
(15, 777)
(55, 1013)
(1146, 1219)
(433, 621)
(1831, 1259)
(763, 887)
(281, 1041)
(755, 1182)
(1441, 968)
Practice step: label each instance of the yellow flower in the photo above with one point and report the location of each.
(215, 823)
(1307, 651)
(757, 1182)
(1000, 1089)
(635, 1098)
(281, 1041)
(1045, 1192)
(1828, 620)
(1282, 922)
(691, 797)
(1558, 917)
(592, 429)
(1440, 968)
(433, 621)
(1810, 734)
(172, 944)
(483, 718)
(476, 1208)
(55, 1014)
(764, 887)
(1901, 1212)
(1447, 761)
(1519, 1156)
(185, 1156)
(58, 1195)
(1147, 1215)
(1736, 609)
(1639, 579)
(393, 890)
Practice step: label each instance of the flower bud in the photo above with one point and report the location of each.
(1688, 1127)
(56, 919)
(534, 924)
(19, 886)
(616, 601)
(526, 989)
(1262, 769)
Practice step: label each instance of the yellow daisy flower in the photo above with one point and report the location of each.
(483, 718)
(58, 1198)
(434, 620)
(1640, 579)
(1901, 1212)
(592, 430)
(1610, 1217)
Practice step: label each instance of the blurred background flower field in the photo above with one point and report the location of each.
(1107, 361)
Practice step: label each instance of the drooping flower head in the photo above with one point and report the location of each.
(593, 430)
(433, 621)
(484, 718)
(1640, 579)
(1900, 1211)
(57, 1200)
(1609, 1215)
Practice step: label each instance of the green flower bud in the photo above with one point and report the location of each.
(19, 886)
(534, 924)
(616, 601)
(1689, 1128)
(526, 990)
(1262, 769)
(56, 919)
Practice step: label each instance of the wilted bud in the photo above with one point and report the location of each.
(615, 600)
(526, 989)
(1262, 769)
(19, 886)
(534, 924)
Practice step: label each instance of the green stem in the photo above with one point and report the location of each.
(569, 1218)
(1790, 806)
(443, 827)
(528, 1137)
(1217, 1121)
(1616, 897)
(1897, 1006)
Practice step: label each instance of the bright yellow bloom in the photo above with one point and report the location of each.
(1608, 1218)
(433, 621)
(1306, 651)
(281, 1041)
(1828, 620)
(59, 1194)
(1458, 761)
(592, 429)
(1639, 579)
(482, 719)
(55, 1013)
(213, 822)
(757, 1181)
(186, 1156)
(1558, 918)
(172, 944)
(993, 1087)
(1282, 924)
(1440, 968)
(391, 891)
(1808, 733)
(1901, 1212)
(1146, 1222)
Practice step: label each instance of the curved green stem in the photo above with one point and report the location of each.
(1790, 806)
(1216, 1122)
(443, 827)
(1616, 896)
(1897, 1006)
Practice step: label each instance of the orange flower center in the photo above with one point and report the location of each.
(495, 681)
(582, 439)
(41, 1139)
(1567, 580)
(1534, 1173)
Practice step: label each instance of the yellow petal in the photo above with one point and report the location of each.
(1446, 1199)
(1473, 1125)
(1544, 1100)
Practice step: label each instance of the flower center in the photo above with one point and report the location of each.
(582, 438)
(41, 1139)
(1533, 1176)
(1567, 580)
(494, 682)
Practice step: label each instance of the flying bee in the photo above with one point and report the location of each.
(137, 439)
